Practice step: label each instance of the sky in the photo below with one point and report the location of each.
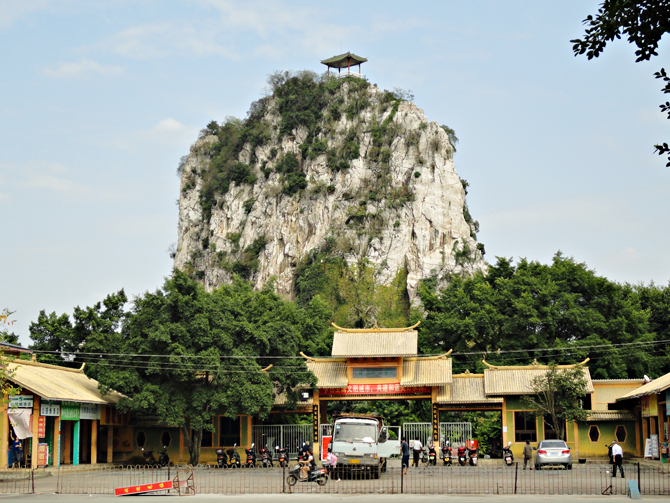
(100, 99)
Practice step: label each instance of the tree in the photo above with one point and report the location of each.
(517, 313)
(557, 394)
(5, 335)
(643, 22)
(6, 386)
(185, 355)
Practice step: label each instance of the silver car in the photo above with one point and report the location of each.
(553, 452)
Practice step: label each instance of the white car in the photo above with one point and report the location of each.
(553, 452)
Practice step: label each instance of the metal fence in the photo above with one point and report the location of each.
(16, 481)
(289, 436)
(492, 478)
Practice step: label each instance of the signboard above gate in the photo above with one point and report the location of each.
(21, 401)
(377, 389)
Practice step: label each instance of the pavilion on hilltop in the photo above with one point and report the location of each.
(346, 60)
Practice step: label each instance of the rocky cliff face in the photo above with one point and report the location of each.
(345, 161)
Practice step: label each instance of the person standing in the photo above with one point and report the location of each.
(15, 452)
(617, 458)
(404, 448)
(332, 463)
(416, 448)
(527, 455)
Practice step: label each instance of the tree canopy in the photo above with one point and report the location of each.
(185, 355)
(642, 22)
(559, 312)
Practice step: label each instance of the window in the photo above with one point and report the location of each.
(620, 433)
(141, 439)
(374, 372)
(594, 433)
(550, 432)
(524, 427)
(207, 438)
(166, 439)
(229, 431)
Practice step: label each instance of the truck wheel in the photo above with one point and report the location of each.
(375, 472)
(291, 479)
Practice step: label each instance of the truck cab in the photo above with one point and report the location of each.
(362, 442)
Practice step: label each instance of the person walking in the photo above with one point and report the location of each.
(416, 448)
(332, 463)
(527, 455)
(617, 458)
(404, 448)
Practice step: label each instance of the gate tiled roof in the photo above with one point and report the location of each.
(465, 388)
(426, 371)
(518, 380)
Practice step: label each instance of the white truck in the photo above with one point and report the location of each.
(362, 442)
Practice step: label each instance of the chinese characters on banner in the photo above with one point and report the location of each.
(41, 427)
(649, 405)
(390, 388)
(42, 454)
(144, 488)
(49, 408)
(436, 437)
(315, 422)
(69, 411)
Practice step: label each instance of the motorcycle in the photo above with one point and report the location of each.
(473, 457)
(221, 459)
(462, 456)
(424, 455)
(266, 458)
(234, 460)
(163, 458)
(149, 457)
(508, 457)
(432, 455)
(251, 457)
(281, 456)
(446, 453)
(318, 475)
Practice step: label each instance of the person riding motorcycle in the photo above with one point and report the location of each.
(306, 462)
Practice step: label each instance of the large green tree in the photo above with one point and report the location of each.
(642, 22)
(563, 311)
(185, 355)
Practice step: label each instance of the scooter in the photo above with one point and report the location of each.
(266, 458)
(318, 475)
(148, 457)
(462, 456)
(508, 457)
(282, 457)
(234, 460)
(473, 456)
(251, 457)
(424, 455)
(163, 458)
(432, 455)
(221, 459)
(446, 453)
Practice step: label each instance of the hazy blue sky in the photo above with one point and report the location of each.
(100, 99)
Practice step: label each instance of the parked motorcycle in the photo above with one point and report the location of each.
(163, 458)
(432, 455)
(234, 460)
(282, 456)
(318, 475)
(508, 456)
(473, 448)
(266, 458)
(251, 457)
(446, 453)
(462, 456)
(424, 455)
(149, 458)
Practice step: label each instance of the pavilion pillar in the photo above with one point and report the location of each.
(76, 437)
(652, 425)
(504, 422)
(4, 436)
(638, 433)
(661, 427)
(35, 440)
(55, 455)
(94, 442)
(110, 443)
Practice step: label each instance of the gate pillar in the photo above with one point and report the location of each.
(315, 425)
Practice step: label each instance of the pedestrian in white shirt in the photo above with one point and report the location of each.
(617, 458)
(416, 450)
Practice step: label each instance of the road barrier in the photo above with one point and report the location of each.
(587, 479)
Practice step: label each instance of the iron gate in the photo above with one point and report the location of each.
(289, 436)
(456, 433)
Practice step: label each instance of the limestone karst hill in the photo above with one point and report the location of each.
(325, 173)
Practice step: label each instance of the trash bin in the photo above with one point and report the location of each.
(664, 452)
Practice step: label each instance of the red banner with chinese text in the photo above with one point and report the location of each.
(42, 454)
(384, 389)
(143, 488)
(41, 427)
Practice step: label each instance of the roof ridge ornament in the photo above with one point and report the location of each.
(374, 329)
(534, 365)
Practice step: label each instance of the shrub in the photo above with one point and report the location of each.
(248, 204)
(417, 174)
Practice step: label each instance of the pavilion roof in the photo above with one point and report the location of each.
(465, 388)
(329, 373)
(656, 386)
(517, 380)
(343, 60)
(375, 342)
(426, 371)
